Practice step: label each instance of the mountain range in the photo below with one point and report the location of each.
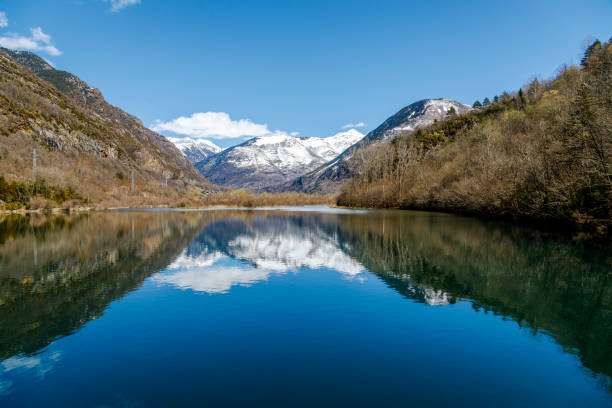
(83, 140)
(313, 165)
(266, 161)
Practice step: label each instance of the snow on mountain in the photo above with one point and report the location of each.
(419, 114)
(330, 177)
(268, 160)
(195, 150)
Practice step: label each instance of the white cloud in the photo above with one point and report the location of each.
(3, 19)
(37, 41)
(118, 5)
(354, 125)
(38, 35)
(214, 125)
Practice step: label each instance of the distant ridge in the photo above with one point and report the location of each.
(264, 161)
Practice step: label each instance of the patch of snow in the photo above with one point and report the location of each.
(276, 158)
(195, 149)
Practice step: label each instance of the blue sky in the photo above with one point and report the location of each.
(298, 66)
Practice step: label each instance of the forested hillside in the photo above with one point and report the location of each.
(543, 152)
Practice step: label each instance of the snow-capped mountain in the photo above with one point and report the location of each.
(330, 177)
(419, 114)
(195, 150)
(269, 160)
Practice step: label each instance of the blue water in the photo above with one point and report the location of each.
(236, 308)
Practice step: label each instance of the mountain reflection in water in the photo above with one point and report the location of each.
(59, 272)
(264, 246)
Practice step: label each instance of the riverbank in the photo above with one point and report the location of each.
(33, 203)
(580, 230)
(76, 210)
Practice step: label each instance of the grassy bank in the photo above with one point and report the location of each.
(40, 195)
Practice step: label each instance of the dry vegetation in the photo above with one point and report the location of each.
(543, 152)
(243, 198)
(77, 150)
(87, 151)
(40, 195)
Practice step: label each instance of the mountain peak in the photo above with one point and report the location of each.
(272, 139)
(418, 114)
(195, 150)
(28, 59)
(348, 134)
(274, 159)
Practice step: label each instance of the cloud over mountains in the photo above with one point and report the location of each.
(214, 125)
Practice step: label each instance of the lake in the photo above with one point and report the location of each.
(299, 307)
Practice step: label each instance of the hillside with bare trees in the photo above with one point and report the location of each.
(543, 152)
(61, 143)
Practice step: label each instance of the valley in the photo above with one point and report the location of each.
(94, 155)
(305, 204)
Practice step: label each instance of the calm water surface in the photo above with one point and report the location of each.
(299, 308)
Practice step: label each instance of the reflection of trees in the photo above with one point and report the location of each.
(52, 285)
(546, 284)
(58, 273)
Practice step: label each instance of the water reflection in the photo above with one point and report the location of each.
(545, 283)
(234, 252)
(210, 273)
(40, 365)
(58, 273)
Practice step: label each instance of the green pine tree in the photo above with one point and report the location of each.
(521, 97)
(589, 51)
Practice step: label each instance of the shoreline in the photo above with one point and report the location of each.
(75, 210)
(558, 226)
